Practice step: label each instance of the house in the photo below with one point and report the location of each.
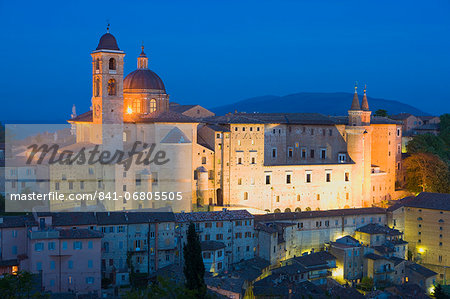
(421, 276)
(213, 253)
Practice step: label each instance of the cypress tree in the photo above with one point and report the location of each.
(194, 269)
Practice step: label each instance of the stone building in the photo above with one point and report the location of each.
(423, 220)
(268, 162)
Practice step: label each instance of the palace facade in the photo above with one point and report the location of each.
(274, 162)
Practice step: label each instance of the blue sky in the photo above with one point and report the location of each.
(218, 52)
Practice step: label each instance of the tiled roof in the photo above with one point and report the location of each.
(316, 259)
(427, 127)
(317, 214)
(211, 245)
(71, 218)
(266, 228)
(374, 229)
(84, 117)
(433, 201)
(349, 240)
(373, 256)
(425, 272)
(218, 128)
(399, 203)
(266, 118)
(157, 116)
(400, 116)
(181, 108)
(162, 116)
(224, 215)
(396, 260)
(150, 217)
(16, 221)
(79, 234)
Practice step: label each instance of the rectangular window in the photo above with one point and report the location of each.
(288, 178)
(267, 179)
(290, 152)
(303, 152)
(81, 185)
(323, 153)
(328, 177)
(70, 185)
(77, 245)
(342, 158)
(70, 265)
(51, 246)
(38, 246)
(274, 153)
(347, 176)
(56, 186)
(308, 177)
(311, 154)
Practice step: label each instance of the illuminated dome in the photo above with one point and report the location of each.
(143, 79)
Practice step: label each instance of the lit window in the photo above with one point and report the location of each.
(152, 105)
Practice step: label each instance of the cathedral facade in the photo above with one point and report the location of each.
(264, 162)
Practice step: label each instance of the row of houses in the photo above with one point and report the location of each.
(75, 251)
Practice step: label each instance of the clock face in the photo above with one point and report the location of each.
(97, 110)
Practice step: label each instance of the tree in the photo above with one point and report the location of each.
(17, 286)
(381, 112)
(439, 293)
(163, 288)
(427, 173)
(194, 269)
(428, 143)
(366, 283)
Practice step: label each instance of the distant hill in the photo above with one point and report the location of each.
(326, 103)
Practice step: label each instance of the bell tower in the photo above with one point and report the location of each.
(107, 86)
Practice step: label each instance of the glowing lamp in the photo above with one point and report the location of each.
(421, 250)
(129, 110)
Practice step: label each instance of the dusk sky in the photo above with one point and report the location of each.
(217, 52)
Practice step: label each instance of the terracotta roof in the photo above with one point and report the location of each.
(163, 116)
(316, 214)
(373, 256)
(314, 260)
(212, 245)
(224, 215)
(400, 116)
(84, 117)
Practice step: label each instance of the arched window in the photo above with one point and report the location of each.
(97, 87)
(97, 64)
(298, 209)
(298, 197)
(136, 105)
(112, 64)
(308, 209)
(112, 87)
(245, 195)
(277, 211)
(152, 105)
(287, 210)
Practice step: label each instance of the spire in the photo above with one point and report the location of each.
(355, 103)
(365, 103)
(107, 27)
(142, 59)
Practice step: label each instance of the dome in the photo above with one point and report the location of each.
(108, 42)
(143, 79)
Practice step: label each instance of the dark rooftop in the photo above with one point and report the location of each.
(79, 234)
(108, 42)
(432, 201)
(224, 215)
(212, 245)
(425, 272)
(316, 214)
(375, 229)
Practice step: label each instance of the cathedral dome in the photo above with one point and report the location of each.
(143, 79)
(108, 42)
